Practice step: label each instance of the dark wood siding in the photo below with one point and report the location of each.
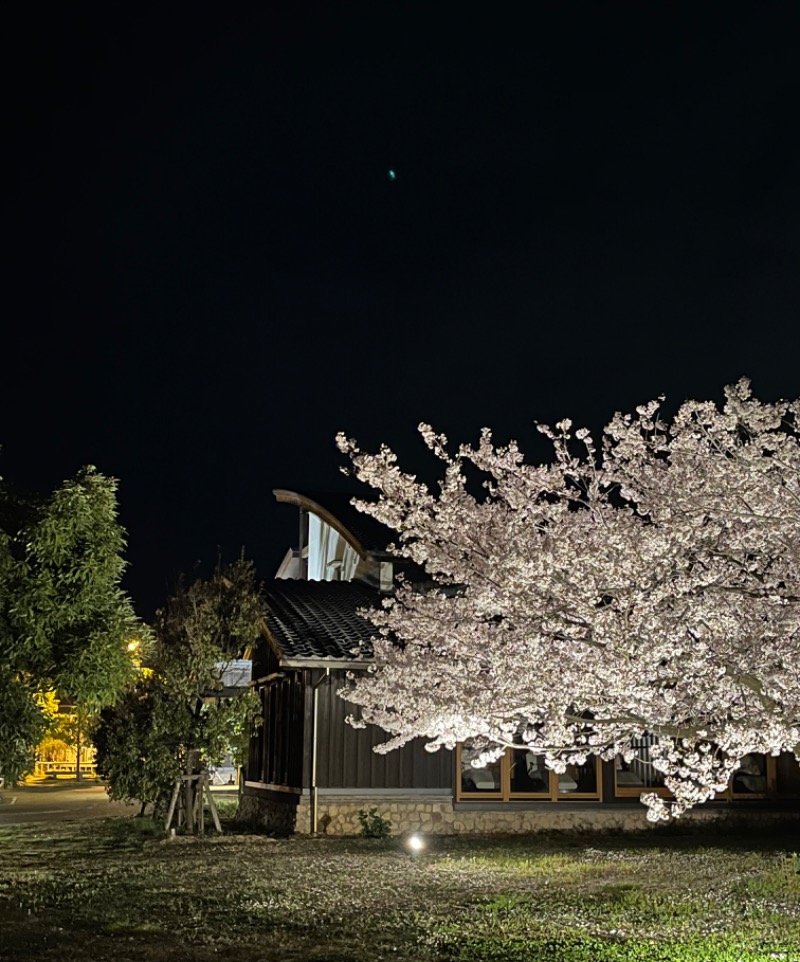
(255, 756)
(265, 661)
(345, 756)
(276, 747)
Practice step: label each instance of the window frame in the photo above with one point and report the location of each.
(636, 791)
(771, 792)
(505, 794)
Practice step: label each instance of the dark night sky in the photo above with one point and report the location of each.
(211, 272)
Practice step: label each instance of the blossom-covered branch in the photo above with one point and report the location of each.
(649, 585)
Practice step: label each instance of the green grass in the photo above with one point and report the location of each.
(115, 889)
(226, 807)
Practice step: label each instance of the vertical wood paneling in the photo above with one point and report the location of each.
(304, 747)
(346, 758)
(276, 748)
(280, 752)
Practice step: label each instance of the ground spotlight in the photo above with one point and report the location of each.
(415, 844)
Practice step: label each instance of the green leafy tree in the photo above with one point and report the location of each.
(23, 724)
(176, 719)
(74, 728)
(138, 743)
(65, 622)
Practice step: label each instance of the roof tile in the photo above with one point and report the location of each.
(319, 620)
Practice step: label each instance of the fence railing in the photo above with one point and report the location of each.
(64, 768)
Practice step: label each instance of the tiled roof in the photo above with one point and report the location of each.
(317, 621)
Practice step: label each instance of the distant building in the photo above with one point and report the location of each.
(309, 771)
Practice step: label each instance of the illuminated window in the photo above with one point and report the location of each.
(638, 775)
(484, 780)
(758, 776)
(519, 775)
(764, 776)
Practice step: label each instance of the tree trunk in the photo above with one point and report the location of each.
(190, 790)
(78, 772)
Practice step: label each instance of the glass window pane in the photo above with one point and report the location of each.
(485, 779)
(529, 775)
(788, 772)
(638, 773)
(581, 779)
(751, 776)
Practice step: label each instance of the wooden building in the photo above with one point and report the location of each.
(310, 771)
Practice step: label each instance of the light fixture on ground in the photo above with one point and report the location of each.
(415, 844)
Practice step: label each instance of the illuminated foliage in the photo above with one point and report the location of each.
(652, 585)
(64, 619)
(144, 742)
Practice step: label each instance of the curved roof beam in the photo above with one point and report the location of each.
(302, 501)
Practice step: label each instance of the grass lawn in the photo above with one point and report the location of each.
(104, 890)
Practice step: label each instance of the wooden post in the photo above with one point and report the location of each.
(190, 791)
(78, 774)
(201, 809)
(211, 804)
(172, 805)
(189, 804)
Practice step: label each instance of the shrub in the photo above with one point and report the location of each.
(374, 825)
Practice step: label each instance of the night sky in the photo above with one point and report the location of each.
(211, 270)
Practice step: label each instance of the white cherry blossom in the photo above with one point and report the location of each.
(650, 585)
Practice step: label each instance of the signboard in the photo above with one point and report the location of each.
(236, 673)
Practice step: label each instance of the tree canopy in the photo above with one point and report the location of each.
(177, 712)
(651, 584)
(65, 622)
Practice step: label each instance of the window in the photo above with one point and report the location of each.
(521, 775)
(750, 778)
(787, 774)
(485, 780)
(638, 775)
(764, 776)
(758, 776)
(529, 775)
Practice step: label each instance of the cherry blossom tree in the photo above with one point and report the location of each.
(649, 585)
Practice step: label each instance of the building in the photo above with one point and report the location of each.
(309, 771)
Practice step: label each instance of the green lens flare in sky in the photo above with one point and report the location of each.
(392, 175)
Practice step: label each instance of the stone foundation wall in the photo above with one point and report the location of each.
(302, 823)
(274, 815)
(435, 814)
(338, 815)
